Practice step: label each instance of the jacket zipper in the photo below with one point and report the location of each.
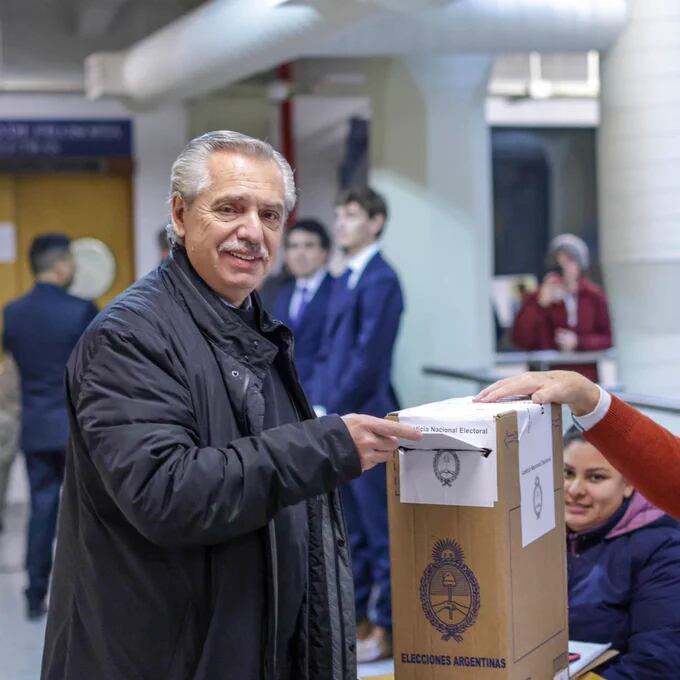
(272, 626)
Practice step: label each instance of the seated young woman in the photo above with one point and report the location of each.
(624, 568)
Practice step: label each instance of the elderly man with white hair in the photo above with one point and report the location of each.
(201, 534)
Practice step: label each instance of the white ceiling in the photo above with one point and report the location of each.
(42, 39)
(47, 41)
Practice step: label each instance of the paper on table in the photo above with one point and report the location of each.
(589, 651)
(8, 243)
(536, 471)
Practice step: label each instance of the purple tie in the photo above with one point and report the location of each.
(343, 280)
(304, 301)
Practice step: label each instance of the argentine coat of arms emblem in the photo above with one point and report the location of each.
(446, 465)
(449, 591)
(538, 497)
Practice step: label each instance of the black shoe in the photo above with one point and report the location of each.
(35, 610)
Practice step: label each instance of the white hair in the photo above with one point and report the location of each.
(190, 175)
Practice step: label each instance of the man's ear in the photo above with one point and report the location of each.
(377, 224)
(179, 208)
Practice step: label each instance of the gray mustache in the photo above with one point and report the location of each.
(246, 248)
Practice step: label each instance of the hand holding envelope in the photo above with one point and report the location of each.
(377, 439)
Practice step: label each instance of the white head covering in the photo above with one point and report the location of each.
(572, 245)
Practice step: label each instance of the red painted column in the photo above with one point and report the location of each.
(286, 123)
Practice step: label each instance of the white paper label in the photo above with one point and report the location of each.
(455, 463)
(536, 477)
(446, 477)
(449, 467)
(8, 243)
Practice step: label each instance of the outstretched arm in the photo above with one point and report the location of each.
(646, 453)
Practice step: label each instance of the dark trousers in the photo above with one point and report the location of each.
(45, 476)
(365, 504)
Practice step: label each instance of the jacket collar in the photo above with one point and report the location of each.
(639, 513)
(582, 540)
(218, 322)
(357, 263)
(44, 287)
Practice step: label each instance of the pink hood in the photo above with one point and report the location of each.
(639, 514)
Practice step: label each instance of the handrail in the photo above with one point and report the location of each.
(545, 357)
(485, 376)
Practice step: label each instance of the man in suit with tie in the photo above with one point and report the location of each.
(40, 330)
(302, 304)
(352, 374)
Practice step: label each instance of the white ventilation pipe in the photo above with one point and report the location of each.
(227, 40)
(220, 42)
(482, 26)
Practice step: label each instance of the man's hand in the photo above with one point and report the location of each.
(376, 439)
(566, 340)
(559, 387)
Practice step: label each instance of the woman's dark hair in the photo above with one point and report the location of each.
(573, 434)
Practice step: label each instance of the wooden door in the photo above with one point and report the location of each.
(78, 205)
(8, 275)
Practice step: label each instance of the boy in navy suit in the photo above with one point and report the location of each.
(352, 374)
(40, 330)
(302, 304)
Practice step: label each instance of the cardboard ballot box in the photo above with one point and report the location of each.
(477, 540)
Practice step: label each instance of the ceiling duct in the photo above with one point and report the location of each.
(224, 41)
(219, 43)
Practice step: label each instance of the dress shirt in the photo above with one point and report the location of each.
(571, 303)
(595, 416)
(246, 304)
(358, 262)
(310, 285)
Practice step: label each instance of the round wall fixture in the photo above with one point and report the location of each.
(95, 268)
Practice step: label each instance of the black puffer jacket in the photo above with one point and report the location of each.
(166, 539)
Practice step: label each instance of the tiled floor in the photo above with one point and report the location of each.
(20, 640)
(377, 668)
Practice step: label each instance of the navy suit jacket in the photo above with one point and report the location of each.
(308, 332)
(40, 331)
(353, 369)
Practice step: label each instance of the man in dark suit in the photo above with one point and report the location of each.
(352, 374)
(302, 304)
(40, 330)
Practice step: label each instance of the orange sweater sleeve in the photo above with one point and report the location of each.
(645, 453)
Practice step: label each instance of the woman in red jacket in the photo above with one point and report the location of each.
(645, 453)
(568, 312)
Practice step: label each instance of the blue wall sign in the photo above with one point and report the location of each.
(106, 138)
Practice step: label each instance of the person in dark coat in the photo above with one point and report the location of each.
(569, 312)
(201, 536)
(272, 286)
(353, 373)
(303, 303)
(163, 242)
(624, 568)
(40, 330)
